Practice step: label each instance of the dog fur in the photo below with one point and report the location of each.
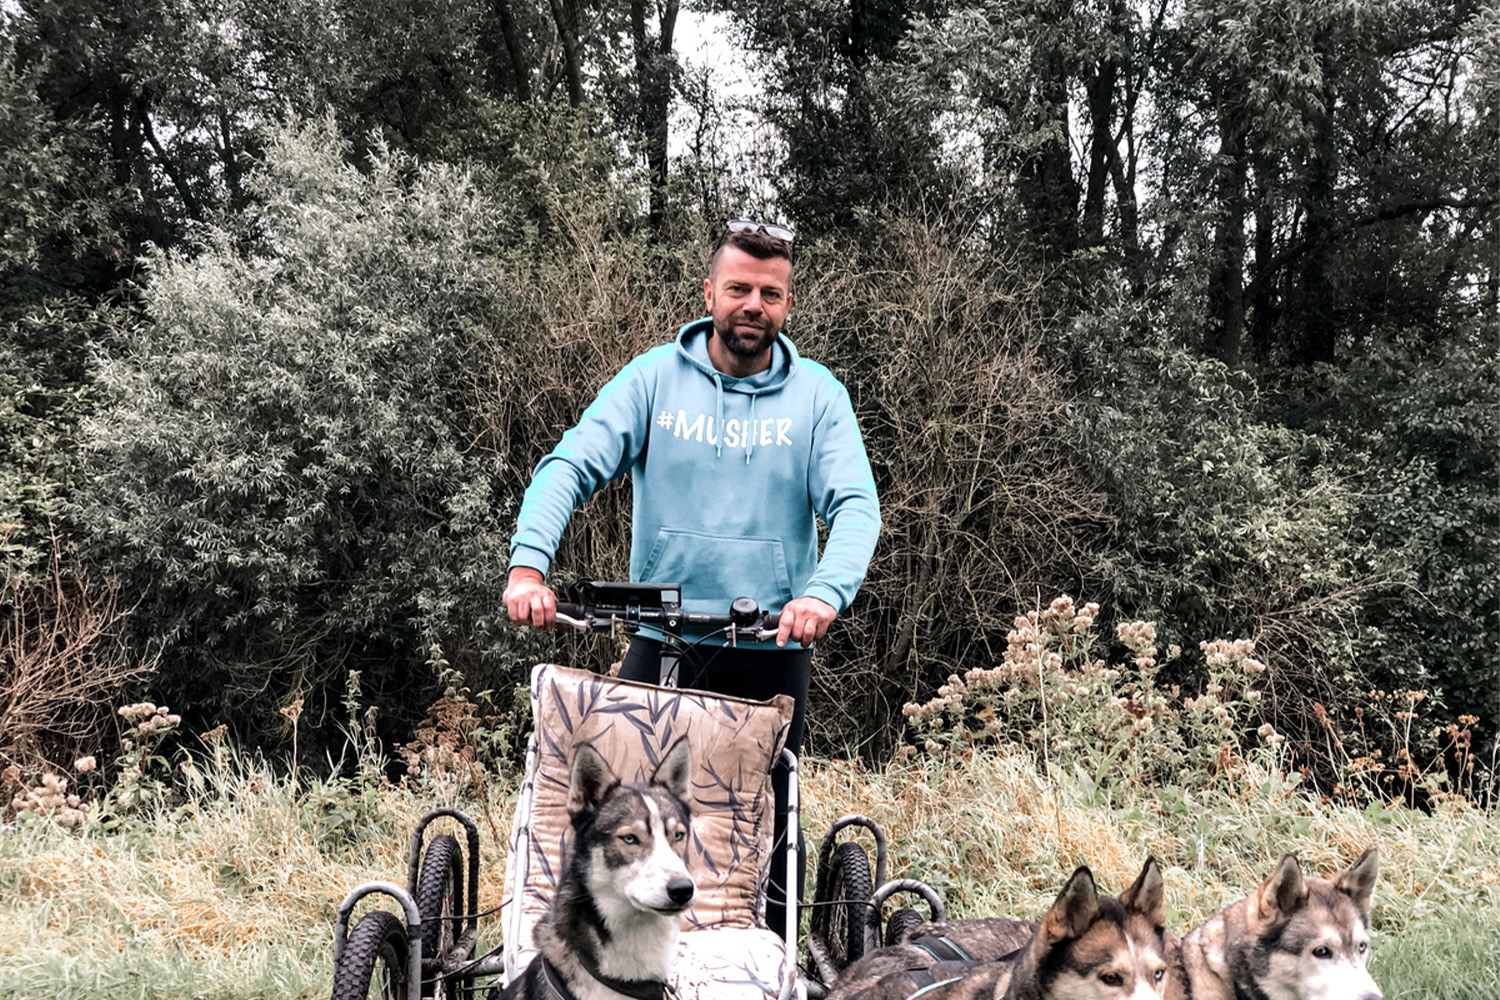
(612, 933)
(1087, 947)
(1296, 937)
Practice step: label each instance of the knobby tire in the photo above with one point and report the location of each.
(374, 961)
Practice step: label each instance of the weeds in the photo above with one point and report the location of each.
(59, 672)
(1086, 708)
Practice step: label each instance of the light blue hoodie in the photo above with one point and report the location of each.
(726, 475)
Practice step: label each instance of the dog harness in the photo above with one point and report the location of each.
(639, 989)
(940, 949)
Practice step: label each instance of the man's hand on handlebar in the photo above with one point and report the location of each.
(804, 620)
(529, 600)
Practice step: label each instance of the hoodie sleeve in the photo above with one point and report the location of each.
(603, 445)
(842, 490)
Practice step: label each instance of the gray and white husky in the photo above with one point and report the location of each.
(1296, 937)
(613, 929)
(1087, 947)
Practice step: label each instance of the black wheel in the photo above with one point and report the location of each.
(902, 923)
(374, 961)
(848, 895)
(440, 901)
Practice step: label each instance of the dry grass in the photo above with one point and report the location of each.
(996, 837)
(235, 894)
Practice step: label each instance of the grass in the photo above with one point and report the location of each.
(234, 895)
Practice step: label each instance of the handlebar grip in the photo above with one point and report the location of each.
(571, 610)
(772, 621)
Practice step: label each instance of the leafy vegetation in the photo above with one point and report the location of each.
(1190, 308)
(228, 884)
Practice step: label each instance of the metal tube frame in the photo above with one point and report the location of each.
(413, 930)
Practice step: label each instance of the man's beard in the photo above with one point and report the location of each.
(741, 343)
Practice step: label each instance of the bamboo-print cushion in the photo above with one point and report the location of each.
(735, 744)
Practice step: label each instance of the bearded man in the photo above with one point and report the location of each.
(735, 445)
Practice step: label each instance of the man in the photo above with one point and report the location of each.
(735, 444)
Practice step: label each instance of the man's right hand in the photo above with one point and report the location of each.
(529, 600)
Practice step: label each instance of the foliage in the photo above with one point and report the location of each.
(233, 892)
(1100, 714)
(1223, 522)
(1414, 424)
(287, 473)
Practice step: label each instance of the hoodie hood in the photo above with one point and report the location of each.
(692, 344)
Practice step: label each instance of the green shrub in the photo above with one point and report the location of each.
(286, 472)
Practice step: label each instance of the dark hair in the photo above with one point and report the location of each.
(754, 242)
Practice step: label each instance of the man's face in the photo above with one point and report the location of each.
(748, 299)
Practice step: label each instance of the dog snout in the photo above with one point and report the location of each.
(680, 892)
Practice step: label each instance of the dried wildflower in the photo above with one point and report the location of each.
(83, 765)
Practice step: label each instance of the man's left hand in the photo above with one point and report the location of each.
(804, 620)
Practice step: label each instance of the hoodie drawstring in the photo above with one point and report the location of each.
(719, 416)
(753, 425)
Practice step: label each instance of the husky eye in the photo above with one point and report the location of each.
(679, 836)
(1159, 973)
(1364, 946)
(1322, 951)
(630, 838)
(1112, 979)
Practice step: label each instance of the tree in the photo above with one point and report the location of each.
(285, 477)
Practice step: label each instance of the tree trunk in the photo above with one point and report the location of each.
(1045, 180)
(653, 68)
(520, 72)
(564, 15)
(1100, 89)
(1314, 304)
(1226, 289)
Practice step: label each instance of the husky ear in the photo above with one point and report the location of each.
(1358, 880)
(1281, 893)
(675, 768)
(1074, 910)
(1146, 896)
(590, 780)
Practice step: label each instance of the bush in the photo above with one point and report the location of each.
(286, 471)
(1095, 713)
(1221, 523)
(982, 501)
(60, 669)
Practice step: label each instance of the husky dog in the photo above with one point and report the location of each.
(1087, 947)
(612, 932)
(1295, 938)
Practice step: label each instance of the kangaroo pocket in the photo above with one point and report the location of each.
(713, 570)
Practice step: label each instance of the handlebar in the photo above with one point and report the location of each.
(743, 622)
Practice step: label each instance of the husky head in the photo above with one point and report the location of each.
(633, 838)
(1090, 947)
(1311, 936)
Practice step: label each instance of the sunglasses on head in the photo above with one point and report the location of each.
(746, 226)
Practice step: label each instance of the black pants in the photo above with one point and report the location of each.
(755, 674)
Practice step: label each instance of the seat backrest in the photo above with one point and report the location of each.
(735, 744)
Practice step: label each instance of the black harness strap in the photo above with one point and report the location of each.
(942, 949)
(638, 989)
